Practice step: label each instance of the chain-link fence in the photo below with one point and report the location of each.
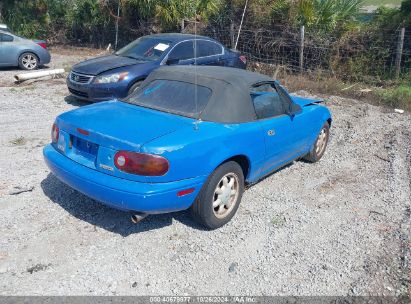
(369, 56)
(375, 57)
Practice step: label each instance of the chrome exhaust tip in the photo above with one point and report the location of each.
(138, 217)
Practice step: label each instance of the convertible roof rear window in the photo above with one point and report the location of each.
(177, 97)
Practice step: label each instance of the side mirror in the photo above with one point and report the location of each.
(294, 109)
(171, 61)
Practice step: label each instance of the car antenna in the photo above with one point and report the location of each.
(196, 123)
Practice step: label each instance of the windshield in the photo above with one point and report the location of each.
(177, 97)
(145, 48)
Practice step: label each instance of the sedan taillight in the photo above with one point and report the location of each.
(43, 45)
(243, 59)
(54, 133)
(141, 164)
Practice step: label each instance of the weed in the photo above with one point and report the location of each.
(67, 67)
(398, 97)
(19, 141)
(22, 89)
(395, 95)
(278, 221)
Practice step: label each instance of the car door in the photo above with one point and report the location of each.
(183, 53)
(208, 52)
(302, 129)
(283, 140)
(7, 50)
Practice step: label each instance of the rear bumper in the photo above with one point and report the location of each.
(44, 57)
(120, 193)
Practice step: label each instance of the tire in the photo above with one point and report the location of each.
(28, 61)
(134, 87)
(320, 145)
(202, 209)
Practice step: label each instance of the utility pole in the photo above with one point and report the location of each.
(183, 25)
(241, 24)
(118, 17)
(400, 47)
(302, 36)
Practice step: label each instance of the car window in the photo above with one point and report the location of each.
(145, 48)
(6, 38)
(207, 48)
(268, 102)
(182, 51)
(182, 98)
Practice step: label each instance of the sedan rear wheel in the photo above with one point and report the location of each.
(28, 61)
(220, 196)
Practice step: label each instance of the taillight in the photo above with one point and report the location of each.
(141, 164)
(82, 131)
(243, 59)
(54, 133)
(42, 44)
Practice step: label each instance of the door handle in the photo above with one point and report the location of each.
(271, 132)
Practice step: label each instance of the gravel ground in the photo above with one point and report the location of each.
(337, 227)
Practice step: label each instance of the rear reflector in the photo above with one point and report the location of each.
(84, 132)
(141, 164)
(42, 44)
(185, 192)
(243, 59)
(54, 133)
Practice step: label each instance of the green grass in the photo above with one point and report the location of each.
(278, 221)
(22, 89)
(398, 97)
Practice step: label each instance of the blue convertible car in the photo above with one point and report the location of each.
(189, 137)
(120, 74)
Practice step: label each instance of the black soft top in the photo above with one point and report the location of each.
(230, 101)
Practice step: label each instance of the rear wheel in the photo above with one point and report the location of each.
(134, 87)
(220, 196)
(320, 145)
(28, 61)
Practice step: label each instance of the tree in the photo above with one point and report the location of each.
(327, 15)
(171, 12)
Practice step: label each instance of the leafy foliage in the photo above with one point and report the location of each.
(356, 48)
(90, 19)
(82, 20)
(28, 17)
(171, 12)
(327, 15)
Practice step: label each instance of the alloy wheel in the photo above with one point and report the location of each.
(321, 142)
(225, 195)
(29, 61)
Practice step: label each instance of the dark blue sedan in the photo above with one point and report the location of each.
(120, 74)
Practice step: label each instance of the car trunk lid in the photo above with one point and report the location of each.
(93, 134)
(304, 102)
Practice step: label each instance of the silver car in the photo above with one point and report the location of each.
(17, 51)
(3, 27)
